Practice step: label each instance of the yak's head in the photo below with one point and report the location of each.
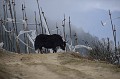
(63, 45)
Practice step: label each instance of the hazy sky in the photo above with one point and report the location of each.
(84, 13)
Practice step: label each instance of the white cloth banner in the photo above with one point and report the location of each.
(73, 48)
(25, 43)
(6, 29)
(82, 46)
(31, 38)
(22, 32)
(33, 34)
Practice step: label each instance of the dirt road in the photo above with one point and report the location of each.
(54, 66)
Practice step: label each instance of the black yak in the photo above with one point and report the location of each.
(49, 42)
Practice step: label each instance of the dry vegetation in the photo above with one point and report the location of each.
(54, 66)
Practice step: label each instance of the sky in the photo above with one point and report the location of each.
(86, 14)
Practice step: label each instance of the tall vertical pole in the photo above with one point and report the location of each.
(4, 33)
(118, 44)
(119, 47)
(70, 28)
(57, 27)
(24, 27)
(114, 32)
(115, 39)
(13, 26)
(40, 15)
(16, 31)
(108, 48)
(45, 21)
(108, 45)
(76, 39)
(1, 31)
(36, 23)
(63, 24)
(8, 40)
(70, 31)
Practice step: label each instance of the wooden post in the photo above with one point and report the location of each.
(70, 28)
(114, 32)
(36, 23)
(13, 26)
(8, 40)
(27, 41)
(45, 20)
(57, 27)
(118, 44)
(1, 31)
(40, 16)
(76, 39)
(23, 27)
(119, 47)
(115, 39)
(63, 24)
(16, 32)
(4, 33)
(108, 45)
(40, 28)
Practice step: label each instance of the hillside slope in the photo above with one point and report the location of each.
(54, 66)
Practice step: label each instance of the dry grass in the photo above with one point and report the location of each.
(65, 71)
(76, 59)
(54, 66)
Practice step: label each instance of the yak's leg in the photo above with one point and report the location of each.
(41, 50)
(54, 50)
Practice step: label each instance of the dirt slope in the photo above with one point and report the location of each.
(54, 66)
